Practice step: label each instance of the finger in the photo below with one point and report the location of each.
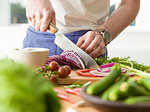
(98, 51)
(88, 39)
(38, 21)
(30, 19)
(53, 20)
(45, 21)
(80, 41)
(33, 20)
(93, 44)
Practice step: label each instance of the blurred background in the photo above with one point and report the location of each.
(134, 41)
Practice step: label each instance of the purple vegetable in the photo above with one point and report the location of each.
(70, 62)
(69, 58)
(104, 70)
(70, 55)
(107, 65)
(56, 58)
(98, 74)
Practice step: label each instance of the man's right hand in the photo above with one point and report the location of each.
(40, 13)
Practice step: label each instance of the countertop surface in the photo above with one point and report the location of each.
(66, 105)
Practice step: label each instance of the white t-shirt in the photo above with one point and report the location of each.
(75, 15)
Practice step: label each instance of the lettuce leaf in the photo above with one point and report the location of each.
(22, 90)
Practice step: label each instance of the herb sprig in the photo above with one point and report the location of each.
(43, 71)
(77, 85)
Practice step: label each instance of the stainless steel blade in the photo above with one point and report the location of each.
(64, 43)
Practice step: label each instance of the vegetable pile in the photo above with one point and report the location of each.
(68, 57)
(119, 87)
(22, 90)
(54, 70)
(123, 60)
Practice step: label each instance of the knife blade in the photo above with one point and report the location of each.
(65, 44)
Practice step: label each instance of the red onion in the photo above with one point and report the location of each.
(98, 74)
(104, 70)
(107, 65)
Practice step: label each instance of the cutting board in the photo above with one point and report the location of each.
(74, 77)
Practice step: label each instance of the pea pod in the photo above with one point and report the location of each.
(137, 100)
(98, 87)
(113, 89)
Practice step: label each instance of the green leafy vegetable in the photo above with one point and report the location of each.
(123, 60)
(22, 90)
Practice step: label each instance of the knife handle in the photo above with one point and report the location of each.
(52, 28)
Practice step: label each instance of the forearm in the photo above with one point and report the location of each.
(121, 17)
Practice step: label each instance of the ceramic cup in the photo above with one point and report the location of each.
(33, 57)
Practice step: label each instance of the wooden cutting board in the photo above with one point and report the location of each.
(74, 77)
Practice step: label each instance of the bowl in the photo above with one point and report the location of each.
(112, 106)
(33, 57)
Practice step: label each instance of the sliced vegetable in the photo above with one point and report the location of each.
(59, 91)
(66, 97)
(74, 91)
(62, 94)
(98, 74)
(56, 58)
(104, 70)
(107, 65)
(77, 85)
(71, 56)
(68, 57)
(84, 73)
(98, 87)
(122, 60)
(137, 100)
(135, 71)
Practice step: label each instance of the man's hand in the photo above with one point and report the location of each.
(40, 13)
(92, 43)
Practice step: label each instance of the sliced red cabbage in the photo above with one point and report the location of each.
(58, 59)
(70, 62)
(70, 55)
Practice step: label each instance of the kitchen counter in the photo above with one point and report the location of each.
(65, 105)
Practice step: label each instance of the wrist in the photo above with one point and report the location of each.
(105, 34)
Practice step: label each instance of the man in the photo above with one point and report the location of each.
(83, 21)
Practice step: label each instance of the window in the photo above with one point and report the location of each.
(17, 11)
(12, 12)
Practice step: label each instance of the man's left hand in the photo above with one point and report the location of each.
(92, 43)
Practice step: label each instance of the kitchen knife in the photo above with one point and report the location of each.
(64, 43)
